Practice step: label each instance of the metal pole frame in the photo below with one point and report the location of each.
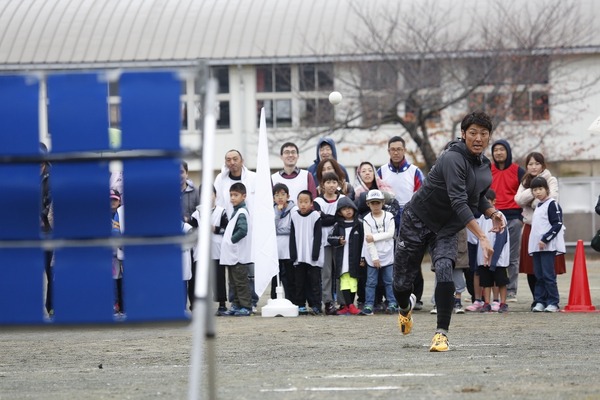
(203, 325)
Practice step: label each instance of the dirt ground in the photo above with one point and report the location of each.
(514, 355)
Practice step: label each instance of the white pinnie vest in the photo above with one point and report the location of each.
(303, 231)
(327, 208)
(540, 225)
(382, 250)
(486, 225)
(240, 252)
(403, 183)
(295, 185)
(186, 256)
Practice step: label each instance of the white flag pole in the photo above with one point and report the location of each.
(264, 239)
(264, 243)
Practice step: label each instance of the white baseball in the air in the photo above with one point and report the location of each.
(335, 98)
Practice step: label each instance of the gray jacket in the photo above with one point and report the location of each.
(453, 191)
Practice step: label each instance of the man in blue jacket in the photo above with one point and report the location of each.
(453, 191)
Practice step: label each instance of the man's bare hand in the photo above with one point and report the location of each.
(487, 249)
(499, 223)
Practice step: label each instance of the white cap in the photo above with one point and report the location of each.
(375, 195)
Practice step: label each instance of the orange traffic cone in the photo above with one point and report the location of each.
(579, 294)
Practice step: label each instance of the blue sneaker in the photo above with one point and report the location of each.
(302, 310)
(367, 310)
(242, 312)
(392, 309)
(232, 310)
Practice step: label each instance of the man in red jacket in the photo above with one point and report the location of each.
(506, 177)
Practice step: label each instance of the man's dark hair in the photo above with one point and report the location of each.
(278, 187)
(477, 117)
(306, 192)
(238, 187)
(288, 144)
(396, 139)
(490, 195)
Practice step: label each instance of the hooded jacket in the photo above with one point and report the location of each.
(354, 240)
(453, 191)
(313, 168)
(505, 182)
(222, 184)
(190, 199)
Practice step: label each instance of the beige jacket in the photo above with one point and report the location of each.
(525, 199)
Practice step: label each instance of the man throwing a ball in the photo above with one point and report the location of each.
(454, 190)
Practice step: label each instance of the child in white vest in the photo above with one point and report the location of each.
(236, 252)
(545, 242)
(496, 273)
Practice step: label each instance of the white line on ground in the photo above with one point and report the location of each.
(336, 376)
(334, 389)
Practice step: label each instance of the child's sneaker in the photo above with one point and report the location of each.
(330, 309)
(343, 311)
(476, 306)
(353, 310)
(433, 310)
(379, 308)
(503, 308)
(392, 309)
(486, 308)
(302, 310)
(314, 311)
(405, 321)
(232, 310)
(242, 312)
(539, 307)
(458, 308)
(367, 310)
(221, 311)
(439, 343)
(551, 308)
(495, 305)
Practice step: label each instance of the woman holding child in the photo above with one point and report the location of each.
(331, 165)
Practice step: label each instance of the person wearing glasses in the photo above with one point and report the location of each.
(294, 178)
(404, 178)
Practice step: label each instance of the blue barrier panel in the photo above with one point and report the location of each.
(152, 278)
(84, 289)
(21, 270)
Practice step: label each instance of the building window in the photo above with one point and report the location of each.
(316, 112)
(315, 84)
(513, 88)
(378, 76)
(421, 74)
(278, 113)
(221, 74)
(114, 105)
(494, 104)
(315, 77)
(274, 93)
(530, 106)
(273, 78)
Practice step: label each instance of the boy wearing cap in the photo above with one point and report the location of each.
(117, 261)
(379, 229)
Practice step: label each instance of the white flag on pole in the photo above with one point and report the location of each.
(264, 240)
(595, 126)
